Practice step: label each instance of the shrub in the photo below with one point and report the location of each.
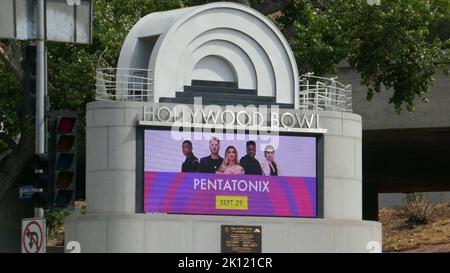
(55, 221)
(418, 208)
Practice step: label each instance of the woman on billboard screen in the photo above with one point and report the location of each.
(230, 164)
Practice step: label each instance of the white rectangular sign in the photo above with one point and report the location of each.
(66, 20)
(34, 235)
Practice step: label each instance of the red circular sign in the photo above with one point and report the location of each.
(32, 237)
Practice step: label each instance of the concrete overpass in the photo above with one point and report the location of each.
(402, 153)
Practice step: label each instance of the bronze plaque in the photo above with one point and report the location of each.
(241, 239)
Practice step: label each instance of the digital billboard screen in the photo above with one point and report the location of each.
(230, 174)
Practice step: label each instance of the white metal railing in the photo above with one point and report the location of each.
(134, 84)
(324, 94)
(131, 84)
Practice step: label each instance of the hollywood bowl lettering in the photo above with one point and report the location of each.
(182, 115)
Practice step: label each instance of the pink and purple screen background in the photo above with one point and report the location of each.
(167, 190)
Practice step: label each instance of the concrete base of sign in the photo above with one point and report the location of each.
(189, 233)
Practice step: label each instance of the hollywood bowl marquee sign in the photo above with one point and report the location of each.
(206, 145)
(292, 191)
(262, 118)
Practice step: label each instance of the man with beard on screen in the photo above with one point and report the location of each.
(190, 165)
(211, 163)
(249, 162)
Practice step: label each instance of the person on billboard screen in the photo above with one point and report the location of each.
(211, 163)
(190, 165)
(230, 164)
(269, 166)
(249, 162)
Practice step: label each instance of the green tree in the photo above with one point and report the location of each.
(316, 32)
(391, 47)
(398, 45)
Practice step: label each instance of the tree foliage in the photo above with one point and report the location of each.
(392, 48)
(398, 45)
(317, 34)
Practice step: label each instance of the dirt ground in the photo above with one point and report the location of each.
(399, 236)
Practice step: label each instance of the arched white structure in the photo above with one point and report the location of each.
(219, 41)
(213, 68)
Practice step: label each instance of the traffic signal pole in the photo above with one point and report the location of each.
(40, 88)
(40, 80)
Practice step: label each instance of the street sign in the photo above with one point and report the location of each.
(34, 235)
(65, 20)
(26, 192)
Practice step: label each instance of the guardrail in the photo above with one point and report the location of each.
(324, 94)
(133, 84)
(129, 84)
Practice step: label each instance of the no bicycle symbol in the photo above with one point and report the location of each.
(33, 235)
